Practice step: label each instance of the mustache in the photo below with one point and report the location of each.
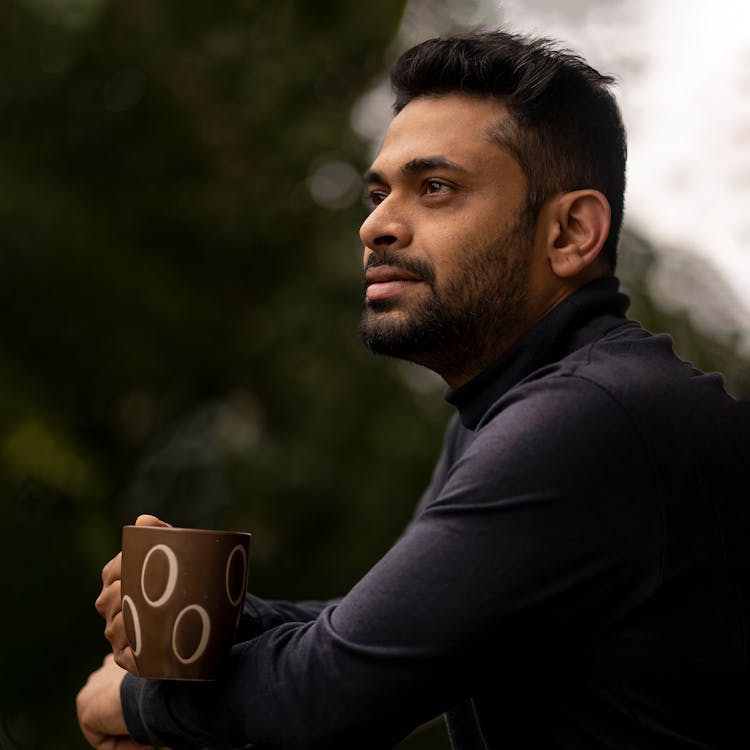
(417, 266)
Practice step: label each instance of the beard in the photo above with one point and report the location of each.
(459, 325)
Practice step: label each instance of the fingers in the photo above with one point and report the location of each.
(112, 571)
(147, 520)
(109, 605)
(114, 632)
(124, 658)
(122, 655)
(109, 601)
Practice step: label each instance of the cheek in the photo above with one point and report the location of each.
(451, 244)
(441, 239)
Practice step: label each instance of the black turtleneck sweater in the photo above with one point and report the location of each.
(575, 576)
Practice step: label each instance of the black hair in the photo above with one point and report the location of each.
(564, 128)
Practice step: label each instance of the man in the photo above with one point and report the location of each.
(576, 574)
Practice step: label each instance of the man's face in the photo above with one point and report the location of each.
(448, 244)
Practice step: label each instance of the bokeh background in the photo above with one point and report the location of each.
(180, 287)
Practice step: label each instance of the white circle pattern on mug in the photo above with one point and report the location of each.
(205, 632)
(127, 601)
(235, 599)
(171, 575)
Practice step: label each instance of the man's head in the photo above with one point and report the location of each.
(564, 126)
(491, 198)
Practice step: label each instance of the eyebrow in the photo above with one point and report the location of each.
(415, 166)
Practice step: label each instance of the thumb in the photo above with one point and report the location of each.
(147, 520)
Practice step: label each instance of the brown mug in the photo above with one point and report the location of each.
(182, 596)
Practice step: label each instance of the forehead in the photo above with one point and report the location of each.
(456, 127)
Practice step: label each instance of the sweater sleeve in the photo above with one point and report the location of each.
(259, 615)
(535, 539)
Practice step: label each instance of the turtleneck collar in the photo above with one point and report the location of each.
(579, 319)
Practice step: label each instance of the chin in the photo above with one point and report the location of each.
(387, 333)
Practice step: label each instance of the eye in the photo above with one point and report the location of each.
(432, 187)
(374, 197)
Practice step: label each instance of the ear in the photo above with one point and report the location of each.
(577, 227)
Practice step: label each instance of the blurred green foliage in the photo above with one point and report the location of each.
(178, 326)
(178, 314)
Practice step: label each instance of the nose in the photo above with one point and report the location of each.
(385, 228)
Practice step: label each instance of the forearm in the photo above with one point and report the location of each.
(298, 686)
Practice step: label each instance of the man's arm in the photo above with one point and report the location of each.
(530, 545)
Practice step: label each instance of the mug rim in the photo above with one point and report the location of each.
(188, 529)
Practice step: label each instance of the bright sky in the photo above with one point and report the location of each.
(684, 88)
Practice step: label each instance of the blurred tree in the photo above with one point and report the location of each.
(180, 290)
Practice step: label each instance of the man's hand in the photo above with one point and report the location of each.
(100, 711)
(109, 605)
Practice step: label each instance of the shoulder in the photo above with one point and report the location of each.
(551, 408)
(629, 371)
(563, 434)
(624, 409)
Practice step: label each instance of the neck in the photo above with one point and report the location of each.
(469, 358)
(462, 362)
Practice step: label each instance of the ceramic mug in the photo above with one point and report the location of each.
(182, 596)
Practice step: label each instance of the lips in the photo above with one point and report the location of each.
(382, 274)
(387, 281)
